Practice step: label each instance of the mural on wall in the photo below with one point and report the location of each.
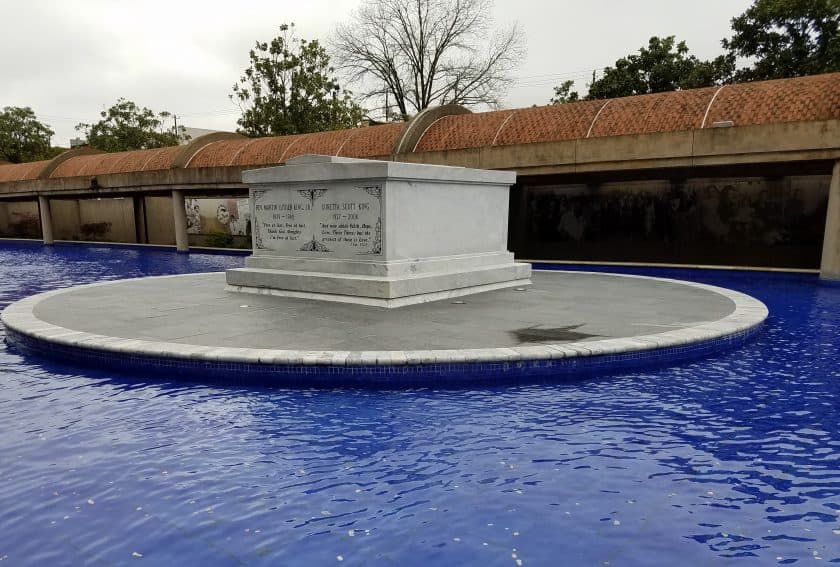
(193, 216)
(758, 221)
(95, 230)
(19, 224)
(227, 216)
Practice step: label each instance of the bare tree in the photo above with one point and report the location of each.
(415, 53)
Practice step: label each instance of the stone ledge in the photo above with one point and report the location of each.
(362, 289)
(747, 315)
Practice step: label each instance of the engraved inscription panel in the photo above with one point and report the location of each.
(338, 221)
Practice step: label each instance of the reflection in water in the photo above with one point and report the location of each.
(699, 464)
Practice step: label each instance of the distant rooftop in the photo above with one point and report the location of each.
(194, 133)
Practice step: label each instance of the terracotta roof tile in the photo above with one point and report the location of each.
(259, 151)
(647, 114)
(785, 100)
(549, 123)
(216, 154)
(325, 143)
(462, 131)
(372, 141)
(22, 171)
(78, 165)
(162, 158)
(357, 142)
(117, 162)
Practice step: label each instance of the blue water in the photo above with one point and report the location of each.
(734, 459)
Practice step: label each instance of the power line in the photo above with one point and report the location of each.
(579, 72)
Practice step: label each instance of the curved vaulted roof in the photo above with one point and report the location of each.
(117, 162)
(787, 100)
(371, 141)
(22, 171)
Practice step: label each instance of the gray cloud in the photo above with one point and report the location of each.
(69, 60)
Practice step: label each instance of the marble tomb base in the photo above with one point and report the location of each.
(378, 233)
(566, 323)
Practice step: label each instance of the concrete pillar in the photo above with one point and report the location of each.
(4, 220)
(518, 219)
(830, 264)
(179, 213)
(46, 219)
(140, 230)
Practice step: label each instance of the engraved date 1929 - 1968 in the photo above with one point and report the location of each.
(325, 221)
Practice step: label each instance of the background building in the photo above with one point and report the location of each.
(731, 175)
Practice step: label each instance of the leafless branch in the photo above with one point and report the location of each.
(425, 52)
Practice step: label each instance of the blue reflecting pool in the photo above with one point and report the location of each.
(732, 459)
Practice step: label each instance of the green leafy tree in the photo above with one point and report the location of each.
(787, 38)
(664, 65)
(126, 126)
(22, 137)
(289, 88)
(564, 93)
(56, 150)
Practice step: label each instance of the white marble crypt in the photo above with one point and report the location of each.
(376, 232)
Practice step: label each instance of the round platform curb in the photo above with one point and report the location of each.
(30, 334)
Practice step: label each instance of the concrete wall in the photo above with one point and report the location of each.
(107, 219)
(19, 219)
(728, 220)
(101, 220)
(67, 220)
(159, 224)
(754, 221)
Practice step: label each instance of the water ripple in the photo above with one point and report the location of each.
(729, 459)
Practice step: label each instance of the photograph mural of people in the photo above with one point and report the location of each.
(752, 221)
(193, 216)
(235, 215)
(219, 222)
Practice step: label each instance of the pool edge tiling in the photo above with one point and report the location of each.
(220, 363)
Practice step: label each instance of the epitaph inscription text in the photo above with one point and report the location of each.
(339, 221)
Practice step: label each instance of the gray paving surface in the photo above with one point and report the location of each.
(560, 307)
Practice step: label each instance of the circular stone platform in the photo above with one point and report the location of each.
(565, 323)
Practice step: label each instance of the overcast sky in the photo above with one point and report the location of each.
(69, 60)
